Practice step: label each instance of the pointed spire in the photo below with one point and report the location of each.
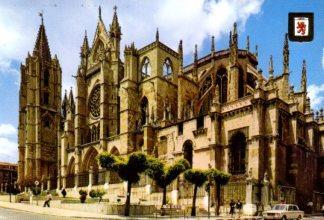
(41, 48)
(64, 104)
(115, 30)
(71, 101)
(157, 35)
(180, 52)
(248, 43)
(85, 46)
(286, 56)
(234, 36)
(212, 44)
(256, 51)
(99, 12)
(196, 53)
(271, 67)
(303, 86)
(230, 39)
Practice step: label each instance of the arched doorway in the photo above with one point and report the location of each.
(237, 156)
(70, 172)
(188, 151)
(90, 163)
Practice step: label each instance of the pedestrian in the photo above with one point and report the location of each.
(63, 192)
(232, 207)
(239, 206)
(48, 199)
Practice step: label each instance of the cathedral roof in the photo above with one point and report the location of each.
(41, 48)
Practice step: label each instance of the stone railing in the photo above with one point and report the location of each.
(200, 131)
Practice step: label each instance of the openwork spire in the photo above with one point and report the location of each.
(115, 30)
(271, 67)
(41, 48)
(303, 85)
(286, 56)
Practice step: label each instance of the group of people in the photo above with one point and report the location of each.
(236, 205)
(49, 198)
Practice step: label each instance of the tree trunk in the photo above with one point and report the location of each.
(218, 192)
(193, 208)
(163, 201)
(127, 204)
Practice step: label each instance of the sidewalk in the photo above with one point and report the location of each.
(89, 215)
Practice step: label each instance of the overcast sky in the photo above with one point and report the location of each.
(193, 21)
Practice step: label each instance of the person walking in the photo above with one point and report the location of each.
(239, 206)
(232, 207)
(48, 199)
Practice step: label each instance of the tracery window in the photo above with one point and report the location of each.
(94, 102)
(221, 81)
(167, 67)
(146, 67)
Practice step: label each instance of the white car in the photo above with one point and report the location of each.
(284, 211)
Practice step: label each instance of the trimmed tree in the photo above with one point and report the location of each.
(220, 178)
(163, 175)
(128, 169)
(197, 178)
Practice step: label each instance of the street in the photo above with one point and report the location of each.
(20, 215)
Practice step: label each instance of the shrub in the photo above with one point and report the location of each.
(93, 193)
(83, 192)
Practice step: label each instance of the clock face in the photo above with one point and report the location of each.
(94, 102)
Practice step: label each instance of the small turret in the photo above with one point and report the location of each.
(71, 104)
(271, 70)
(64, 105)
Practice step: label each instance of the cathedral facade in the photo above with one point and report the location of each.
(220, 111)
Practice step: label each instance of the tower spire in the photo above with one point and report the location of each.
(41, 47)
(115, 30)
(303, 86)
(64, 105)
(286, 56)
(212, 44)
(271, 67)
(85, 45)
(71, 102)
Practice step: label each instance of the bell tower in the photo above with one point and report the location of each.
(39, 113)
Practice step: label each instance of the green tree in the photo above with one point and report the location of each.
(128, 169)
(163, 174)
(220, 178)
(197, 178)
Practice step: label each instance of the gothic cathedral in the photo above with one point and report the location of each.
(219, 111)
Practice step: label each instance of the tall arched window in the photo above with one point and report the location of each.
(146, 67)
(188, 151)
(221, 81)
(144, 110)
(167, 67)
(237, 153)
(46, 77)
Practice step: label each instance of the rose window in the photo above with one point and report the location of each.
(94, 102)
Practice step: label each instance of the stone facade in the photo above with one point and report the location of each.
(220, 111)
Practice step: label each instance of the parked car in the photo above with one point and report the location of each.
(284, 211)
